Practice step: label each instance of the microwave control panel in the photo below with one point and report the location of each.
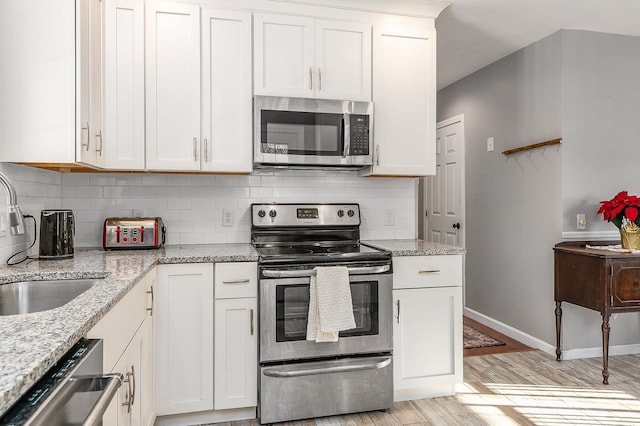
(359, 134)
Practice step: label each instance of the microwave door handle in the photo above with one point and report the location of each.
(347, 135)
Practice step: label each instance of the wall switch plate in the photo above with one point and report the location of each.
(389, 218)
(490, 144)
(227, 217)
(581, 222)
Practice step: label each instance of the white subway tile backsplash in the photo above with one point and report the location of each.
(191, 205)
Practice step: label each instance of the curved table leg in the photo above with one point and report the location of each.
(606, 329)
(558, 328)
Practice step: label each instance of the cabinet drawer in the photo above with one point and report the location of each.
(236, 279)
(626, 286)
(427, 271)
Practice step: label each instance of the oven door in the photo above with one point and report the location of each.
(284, 307)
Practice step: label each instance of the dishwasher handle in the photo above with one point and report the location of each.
(114, 381)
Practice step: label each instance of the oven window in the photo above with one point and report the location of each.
(292, 308)
(301, 133)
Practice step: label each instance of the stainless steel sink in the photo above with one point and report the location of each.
(34, 296)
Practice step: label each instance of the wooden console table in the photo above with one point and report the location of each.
(602, 280)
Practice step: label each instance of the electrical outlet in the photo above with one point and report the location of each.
(389, 218)
(137, 213)
(3, 225)
(227, 217)
(581, 222)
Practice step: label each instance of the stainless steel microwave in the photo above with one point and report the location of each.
(314, 132)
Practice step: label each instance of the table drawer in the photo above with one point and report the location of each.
(236, 279)
(427, 271)
(626, 286)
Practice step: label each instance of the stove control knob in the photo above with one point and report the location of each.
(272, 213)
(350, 213)
(340, 213)
(261, 213)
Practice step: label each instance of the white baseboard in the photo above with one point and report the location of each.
(207, 417)
(536, 343)
(507, 330)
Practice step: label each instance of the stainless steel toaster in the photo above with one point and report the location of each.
(133, 233)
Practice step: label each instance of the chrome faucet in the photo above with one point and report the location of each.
(16, 220)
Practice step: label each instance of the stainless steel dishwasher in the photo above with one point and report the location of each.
(73, 392)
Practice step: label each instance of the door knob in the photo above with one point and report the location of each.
(456, 225)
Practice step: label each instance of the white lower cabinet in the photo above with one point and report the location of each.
(236, 335)
(427, 334)
(184, 338)
(127, 349)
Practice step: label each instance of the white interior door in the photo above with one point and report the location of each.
(444, 219)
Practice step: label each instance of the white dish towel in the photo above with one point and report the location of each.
(330, 305)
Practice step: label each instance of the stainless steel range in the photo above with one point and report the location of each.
(301, 378)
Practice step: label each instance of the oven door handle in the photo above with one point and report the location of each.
(356, 366)
(363, 270)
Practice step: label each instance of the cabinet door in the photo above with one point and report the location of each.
(147, 396)
(85, 141)
(184, 338)
(38, 81)
(226, 92)
(343, 60)
(122, 145)
(405, 100)
(427, 338)
(172, 86)
(283, 55)
(125, 409)
(236, 353)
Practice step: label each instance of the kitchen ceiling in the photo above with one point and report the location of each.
(475, 33)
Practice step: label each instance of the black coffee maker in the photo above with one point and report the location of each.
(57, 231)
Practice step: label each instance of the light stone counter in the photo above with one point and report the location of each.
(414, 247)
(31, 343)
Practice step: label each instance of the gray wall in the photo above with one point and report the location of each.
(580, 86)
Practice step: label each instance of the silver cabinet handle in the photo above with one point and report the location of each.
(377, 155)
(347, 134)
(356, 366)
(251, 319)
(319, 79)
(310, 78)
(150, 309)
(398, 305)
(130, 380)
(241, 281)
(195, 149)
(429, 271)
(85, 145)
(309, 272)
(99, 139)
(206, 150)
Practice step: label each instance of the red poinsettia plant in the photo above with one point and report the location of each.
(621, 210)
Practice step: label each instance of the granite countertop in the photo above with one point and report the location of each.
(31, 343)
(414, 247)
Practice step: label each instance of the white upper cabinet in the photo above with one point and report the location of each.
(198, 68)
(37, 81)
(226, 92)
(172, 86)
(311, 58)
(121, 145)
(404, 93)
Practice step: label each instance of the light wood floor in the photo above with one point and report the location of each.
(520, 388)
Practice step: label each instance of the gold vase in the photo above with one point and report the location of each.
(630, 236)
